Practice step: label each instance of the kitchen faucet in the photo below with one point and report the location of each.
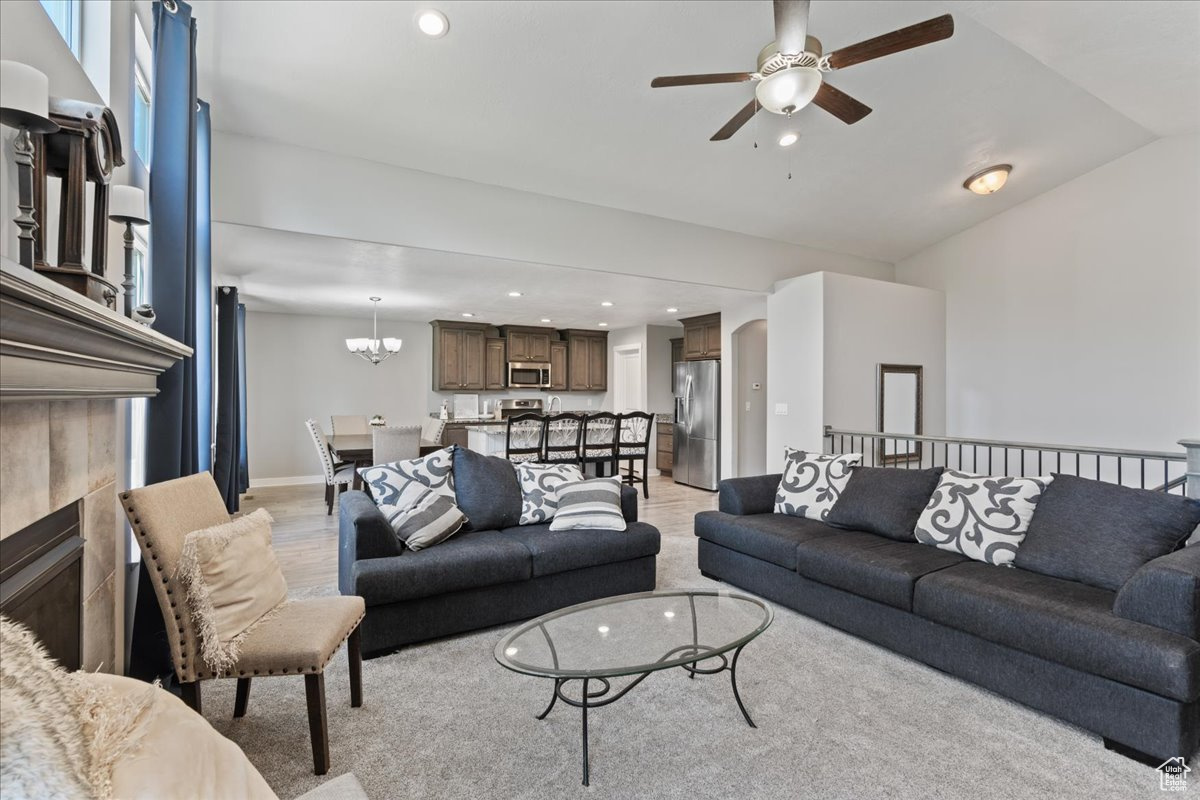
(553, 398)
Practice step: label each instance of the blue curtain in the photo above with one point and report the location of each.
(244, 450)
(178, 419)
(227, 464)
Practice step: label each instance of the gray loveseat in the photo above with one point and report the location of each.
(480, 578)
(1124, 664)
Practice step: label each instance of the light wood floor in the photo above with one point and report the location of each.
(306, 540)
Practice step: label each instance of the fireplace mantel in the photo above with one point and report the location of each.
(56, 344)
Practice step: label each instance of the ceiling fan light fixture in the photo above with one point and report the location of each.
(789, 139)
(432, 23)
(989, 180)
(788, 90)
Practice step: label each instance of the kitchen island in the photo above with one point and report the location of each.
(487, 439)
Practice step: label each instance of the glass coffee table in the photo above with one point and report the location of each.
(634, 635)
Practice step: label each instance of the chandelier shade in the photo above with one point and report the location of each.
(374, 349)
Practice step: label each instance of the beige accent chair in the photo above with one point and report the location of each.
(349, 425)
(299, 639)
(395, 444)
(337, 476)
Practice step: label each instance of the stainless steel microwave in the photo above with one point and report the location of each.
(528, 375)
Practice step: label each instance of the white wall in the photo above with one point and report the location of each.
(1074, 318)
(659, 399)
(732, 318)
(750, 404)
(795, 364)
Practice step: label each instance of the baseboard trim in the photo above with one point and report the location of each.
(297, 480)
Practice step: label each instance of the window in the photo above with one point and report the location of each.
(141, 271)
(141, 115)
(67, 16)
(137, 407)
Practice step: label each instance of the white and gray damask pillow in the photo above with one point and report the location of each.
(539, 489)
(812, 482)
(388, 482)
(984, 518)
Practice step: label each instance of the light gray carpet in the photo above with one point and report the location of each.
(837, 717)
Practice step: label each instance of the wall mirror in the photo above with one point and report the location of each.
(900, 411)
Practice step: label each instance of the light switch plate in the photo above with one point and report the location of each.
(747, 406)
(781, 409)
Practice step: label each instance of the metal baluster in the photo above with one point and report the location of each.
(974, 458)
(1119, 481)
(1143, 469)
(1039, 462)
(1006, 461)
(989, 459)
(1077, 465)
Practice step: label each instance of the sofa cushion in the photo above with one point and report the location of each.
(466, 561)
(1165, 593)
(884, 501)
(385, 482)
(871, 566)
(593, 504)
(487, 491)
(560, 551)
(770, 537)
(982, 517)
(1062, 621)
(1100, 533)
(429, 518)
(812, 482)
(539, 489)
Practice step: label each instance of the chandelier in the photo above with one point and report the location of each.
(374, 349)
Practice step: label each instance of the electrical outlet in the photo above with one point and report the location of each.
(781, 409)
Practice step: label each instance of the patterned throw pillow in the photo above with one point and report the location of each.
(589, 505)
(539, 489)
(387, 482)
(812, 482)
(984, 518)
(429, 519)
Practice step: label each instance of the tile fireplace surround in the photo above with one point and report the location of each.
(65, 364)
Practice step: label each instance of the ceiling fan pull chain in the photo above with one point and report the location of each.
(757, 124)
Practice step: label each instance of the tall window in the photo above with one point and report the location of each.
(141, 114)
(67, 16)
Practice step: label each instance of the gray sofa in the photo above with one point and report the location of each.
(481, 578)
(1124, 664)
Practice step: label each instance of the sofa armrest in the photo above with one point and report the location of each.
(629, 507)
(755, 495)
(1165, 593)
(363, 533)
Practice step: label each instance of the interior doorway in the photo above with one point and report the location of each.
(750, 398)
(628, 392)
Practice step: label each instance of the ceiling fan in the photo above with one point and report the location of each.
(791, 69)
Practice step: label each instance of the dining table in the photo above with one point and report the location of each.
(355, 448)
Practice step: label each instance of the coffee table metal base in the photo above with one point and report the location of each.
(596, 698)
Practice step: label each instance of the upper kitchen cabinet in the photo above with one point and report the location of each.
(587, 361)
(528, 344)
(459, 356)
(495, 365)
(558, 366)
(702, 337)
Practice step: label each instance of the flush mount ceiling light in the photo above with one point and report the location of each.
(547, 319)
(515, 294)
(603, 324)
(468, 314)
(433, 23)
(672, 310)
(988, 181)
(789, 139)
(607, 304)
(374, 349)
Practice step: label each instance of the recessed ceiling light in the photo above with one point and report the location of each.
(547, 319)
(988, 181)
(514, 294)
(603, 324)
(672, 310)
(607, 303)
(603, 629)
(789, 139)
(468, 314)
(433, 23)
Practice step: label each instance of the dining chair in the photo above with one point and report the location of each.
(396, 443)
(599, 444)
(349, 425)
(336, 475)
(634, 445)
(525, 436)
(299, 638)
(431, 434)
(564, 434)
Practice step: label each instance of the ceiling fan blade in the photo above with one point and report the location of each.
(739, 119)
(927, 32)
(840, 104)
(791, 25)
(695, 80)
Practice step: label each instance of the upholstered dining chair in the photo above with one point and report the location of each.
(395, 443)
(299, 639)
(349, 425)
(564, 433)
(431, 434)
(634, 445)
(336, 475)
(524, 437)
(599, 444)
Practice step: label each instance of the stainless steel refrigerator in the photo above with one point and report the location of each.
(697, 423)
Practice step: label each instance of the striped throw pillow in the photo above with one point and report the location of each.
(589, 505)
(430, 519)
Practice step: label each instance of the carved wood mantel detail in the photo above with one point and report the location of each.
(56, 344)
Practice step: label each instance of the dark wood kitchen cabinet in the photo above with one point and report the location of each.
(587, 361)
(459, 356)
(558, 366)
(702, 337)
(495, 370)
(528, 344)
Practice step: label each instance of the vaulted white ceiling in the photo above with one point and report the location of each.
(554, 98)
